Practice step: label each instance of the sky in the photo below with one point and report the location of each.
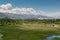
(43, 7)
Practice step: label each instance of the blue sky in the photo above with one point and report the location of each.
(49, 6)
(46, 5)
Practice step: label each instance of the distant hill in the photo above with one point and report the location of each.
(2, 15)
(23, 16)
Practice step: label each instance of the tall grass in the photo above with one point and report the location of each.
(28, 29)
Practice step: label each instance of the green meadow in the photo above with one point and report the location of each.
(29, 29)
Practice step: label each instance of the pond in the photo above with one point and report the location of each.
(52, 37)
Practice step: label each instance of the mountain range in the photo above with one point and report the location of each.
(23, 16)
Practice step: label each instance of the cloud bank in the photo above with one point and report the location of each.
(8, 8)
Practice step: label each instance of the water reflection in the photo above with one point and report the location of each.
(52, 37)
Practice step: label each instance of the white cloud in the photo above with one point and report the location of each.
(7, 6)
(9, 9)
(54, 14)
(24, 10)
(51, 14)
(42, 12)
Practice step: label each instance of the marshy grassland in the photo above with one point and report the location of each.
(29, 29)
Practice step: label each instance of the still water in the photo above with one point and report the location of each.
(52, 37)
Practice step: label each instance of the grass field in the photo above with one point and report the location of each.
(28, 30)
